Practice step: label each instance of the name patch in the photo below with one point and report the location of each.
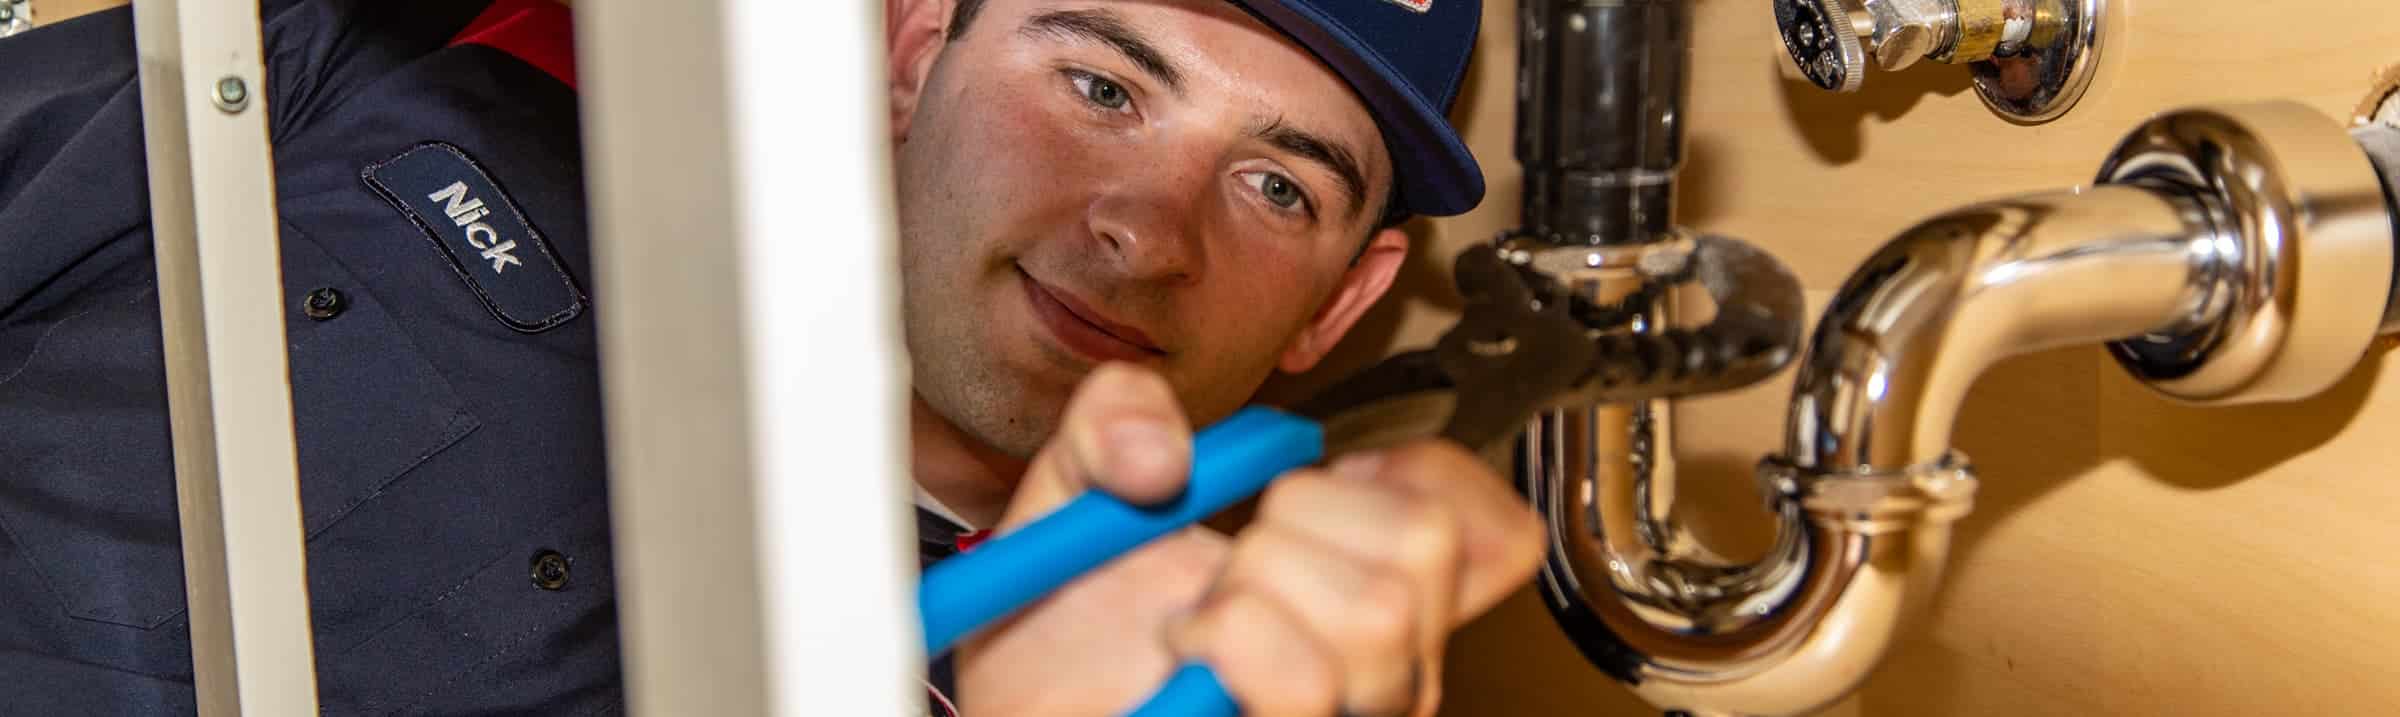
(481, 232)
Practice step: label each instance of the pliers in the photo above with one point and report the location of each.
(1522, 344)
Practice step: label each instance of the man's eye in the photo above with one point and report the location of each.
(1278, 189)
(1100, 91)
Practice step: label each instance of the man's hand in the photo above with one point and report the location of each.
(1337, 599)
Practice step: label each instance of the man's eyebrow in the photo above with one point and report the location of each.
(1105, 27)
(1333, 155)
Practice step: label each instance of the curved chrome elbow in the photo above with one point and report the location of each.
(1867, 494)
(2191, 257)
(1899, 345)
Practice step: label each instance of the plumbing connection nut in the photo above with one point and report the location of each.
(2308, 238)
(1980, 26)
(1875, 501)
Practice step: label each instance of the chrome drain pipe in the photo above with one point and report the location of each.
(2225, 255)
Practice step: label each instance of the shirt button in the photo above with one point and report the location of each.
(549, 570)
(324, 304)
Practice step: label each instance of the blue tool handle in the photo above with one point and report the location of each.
(1193, 691)
(1231, 460)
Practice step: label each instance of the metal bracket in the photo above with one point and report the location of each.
(15, 16)
(229, 393)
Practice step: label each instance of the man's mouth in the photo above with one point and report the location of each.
(1082, 329)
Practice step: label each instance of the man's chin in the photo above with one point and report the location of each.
(1012, 415)
(1009, 389)
(1016, 436)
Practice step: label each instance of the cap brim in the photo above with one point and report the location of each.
(1437, 175)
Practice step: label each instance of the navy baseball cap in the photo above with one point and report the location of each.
(1405, 58)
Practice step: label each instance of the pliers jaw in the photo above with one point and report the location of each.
(1518, 346)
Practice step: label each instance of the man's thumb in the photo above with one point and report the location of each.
(1122, 433)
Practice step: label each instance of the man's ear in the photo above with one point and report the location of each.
(914, 32)
(1365, 283)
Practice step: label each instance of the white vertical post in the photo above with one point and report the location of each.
(755, 382)
(221, 309)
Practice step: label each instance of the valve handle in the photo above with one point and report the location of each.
(1819, 35)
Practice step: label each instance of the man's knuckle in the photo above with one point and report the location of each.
(1111, 386)
(1304, 687)
(1269, 665)
(1242, 611)
(1293, 495)
(1428, 539)
(1112, 373)
(1256, 561)
(1382, 615)
(1130, 381)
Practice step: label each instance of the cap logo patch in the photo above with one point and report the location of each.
(1414, 5)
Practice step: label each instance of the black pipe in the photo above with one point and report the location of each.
(1599, 117)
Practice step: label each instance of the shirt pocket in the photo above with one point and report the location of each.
(531, 629)
(87, 483)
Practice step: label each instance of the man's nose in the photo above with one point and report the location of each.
(1152, 221)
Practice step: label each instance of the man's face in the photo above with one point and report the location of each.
(1164, 182)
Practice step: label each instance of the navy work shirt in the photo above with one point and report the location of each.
(437, 280)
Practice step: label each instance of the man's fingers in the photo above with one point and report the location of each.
(1370, 616)
(1263, 653)
(1381, 557)
(1386, 526)
(1431, 508)
(1498, 533)
(1500, 537)
(1122, 433)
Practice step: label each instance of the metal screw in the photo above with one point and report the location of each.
(323, 304)
(233, 95)
(549, 570)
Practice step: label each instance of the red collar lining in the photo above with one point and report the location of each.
(539, 32)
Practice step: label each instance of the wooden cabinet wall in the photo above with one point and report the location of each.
(50, 11)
